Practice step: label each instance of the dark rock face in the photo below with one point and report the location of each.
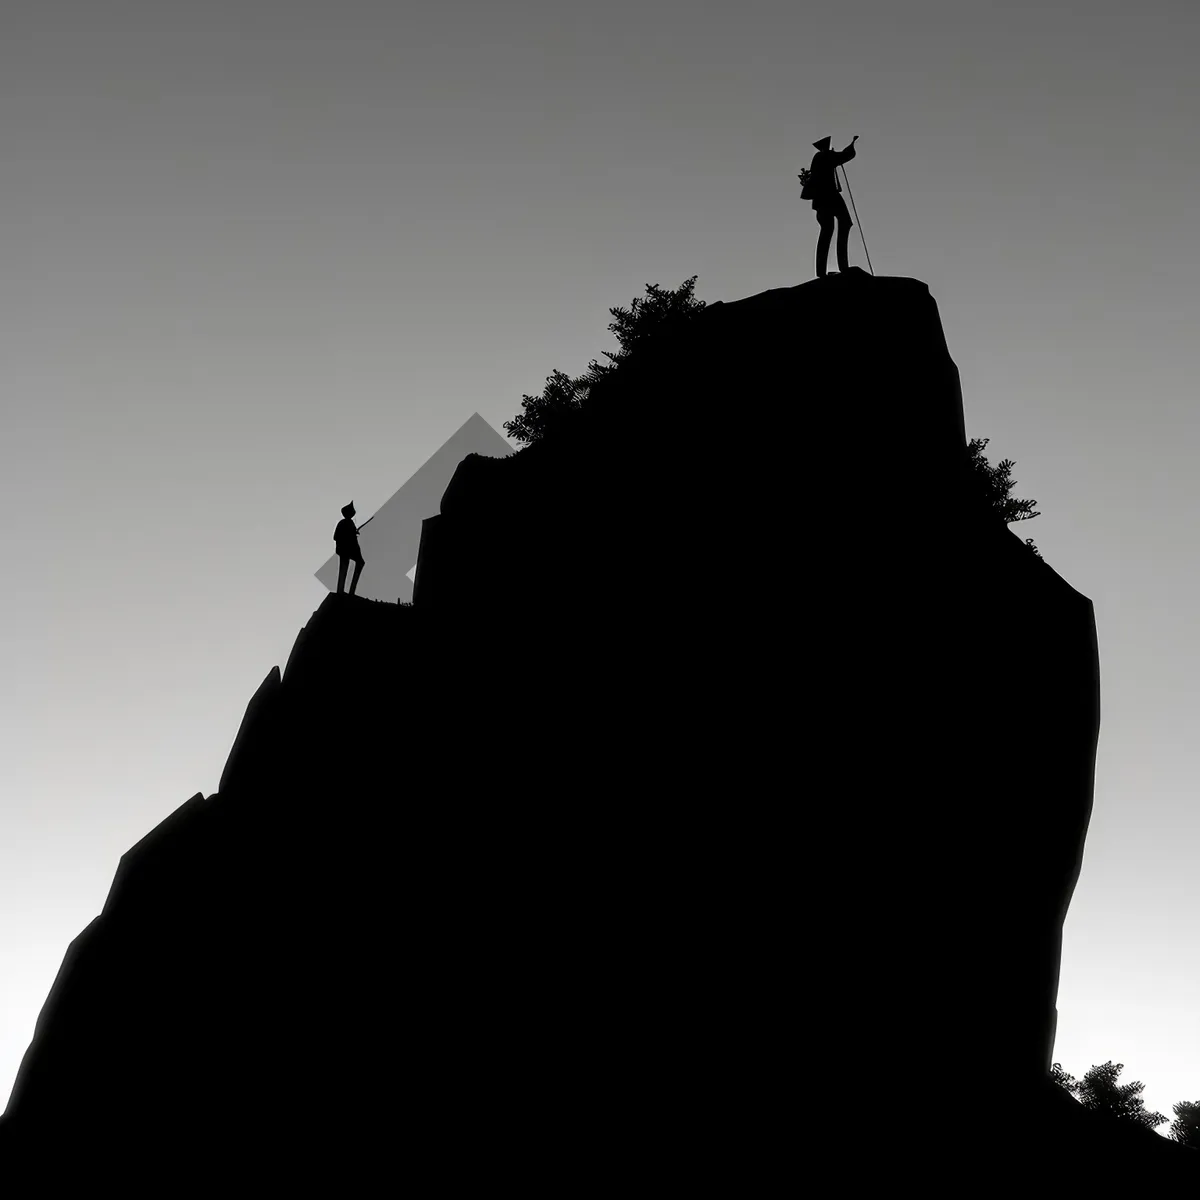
(907, 700)
(607, 914)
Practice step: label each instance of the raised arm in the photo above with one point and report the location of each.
(843, 156)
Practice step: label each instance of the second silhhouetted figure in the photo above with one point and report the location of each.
(345, 540)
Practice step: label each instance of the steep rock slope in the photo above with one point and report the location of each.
(669, 901)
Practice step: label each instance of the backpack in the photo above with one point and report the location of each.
(805, 178)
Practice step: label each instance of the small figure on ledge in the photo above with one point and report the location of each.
(821, 186)
(345, 540)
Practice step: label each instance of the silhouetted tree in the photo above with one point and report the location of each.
(563, 396)
(997, 483)
(1186, 1126)
(648, 313)
(1099, 1092)
(1067, 1082)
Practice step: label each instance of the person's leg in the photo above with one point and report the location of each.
(358, 566)
(343, 563)
(843, 246)
(826, 219)
(843, 239)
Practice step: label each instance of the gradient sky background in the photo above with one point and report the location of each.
(258, 258)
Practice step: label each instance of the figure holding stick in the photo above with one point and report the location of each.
(822, 187)
(345, 540)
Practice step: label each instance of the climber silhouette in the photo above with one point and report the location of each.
(345, 541)
(825, 192)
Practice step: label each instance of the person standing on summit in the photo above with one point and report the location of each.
(345, 541)
(825, 192)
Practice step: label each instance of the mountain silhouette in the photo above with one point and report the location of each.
(668, 900)
(391, 541)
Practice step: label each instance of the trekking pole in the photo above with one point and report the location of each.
(857, 221)
(370, 519)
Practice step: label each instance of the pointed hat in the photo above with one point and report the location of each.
(823, 144)
(348, 511)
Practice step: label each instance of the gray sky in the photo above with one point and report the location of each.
(259, 258)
